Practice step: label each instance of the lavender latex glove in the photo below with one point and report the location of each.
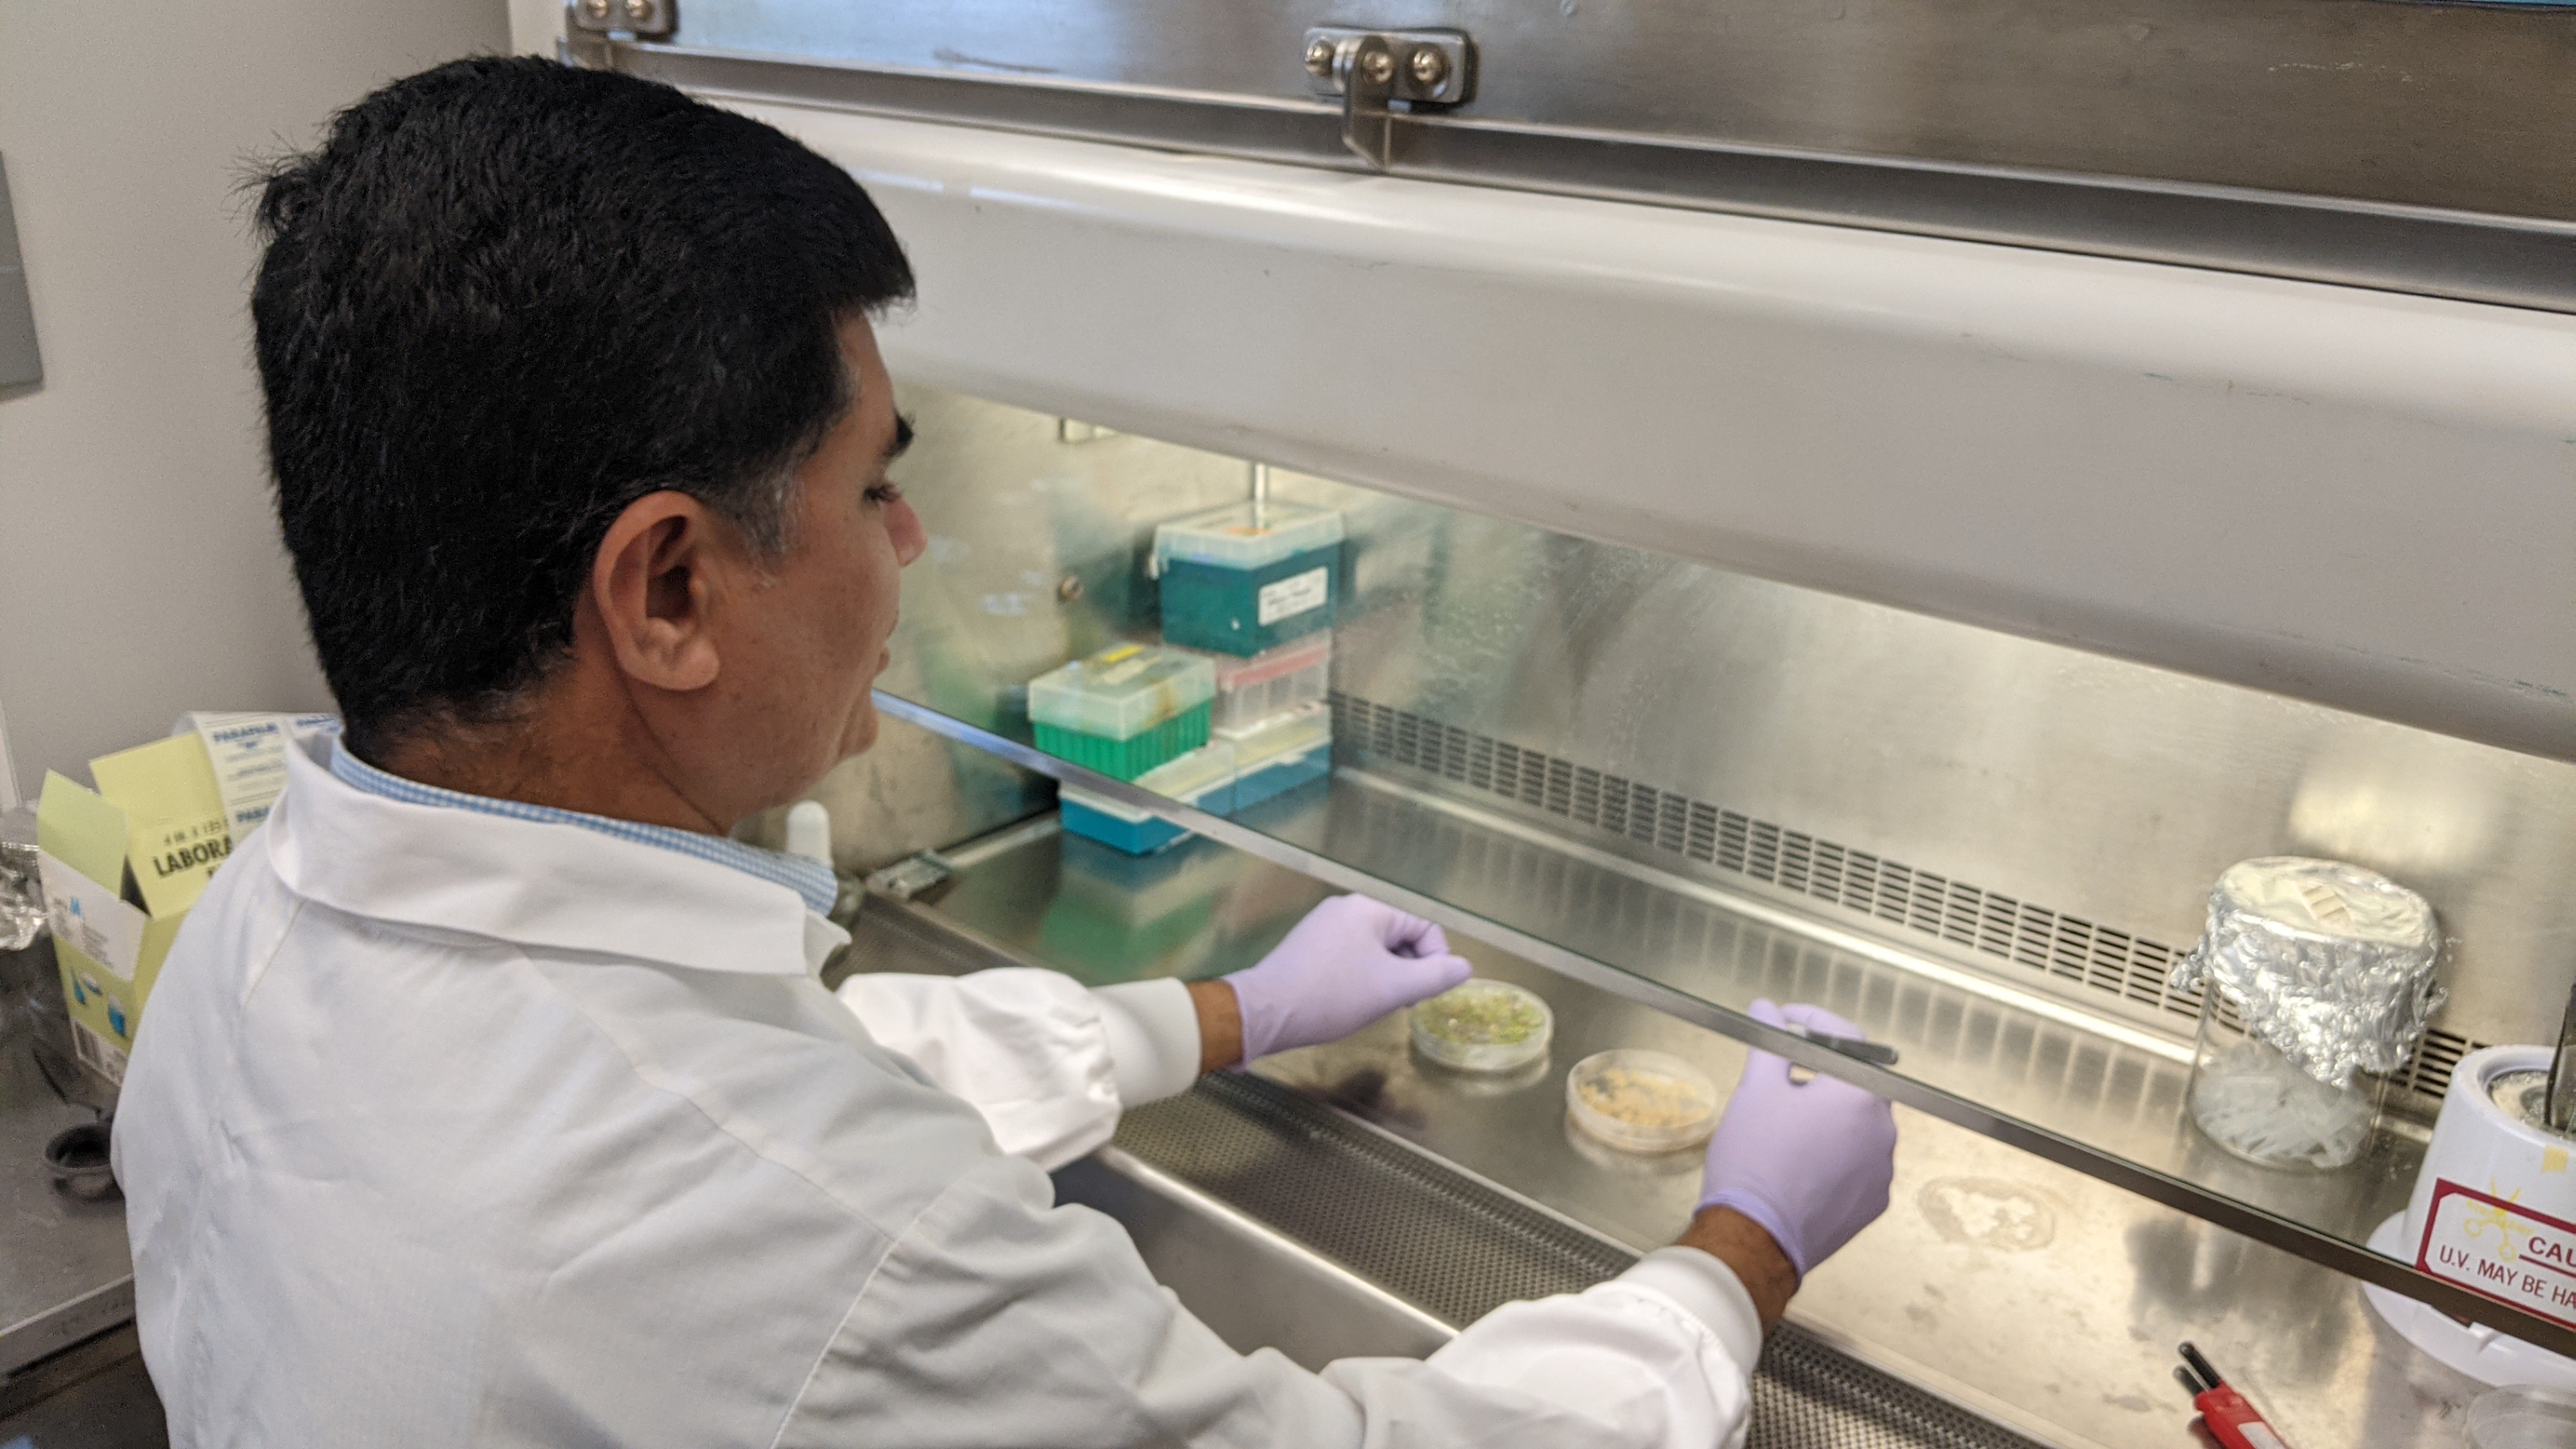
(1351, 961)
(1810, 1161)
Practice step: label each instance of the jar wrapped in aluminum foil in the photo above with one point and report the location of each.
(22, 893)
(22, 920)
(2317, 981)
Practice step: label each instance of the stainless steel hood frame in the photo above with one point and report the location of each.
(2433, 163)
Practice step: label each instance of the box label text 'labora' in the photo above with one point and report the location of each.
(2503, 1250)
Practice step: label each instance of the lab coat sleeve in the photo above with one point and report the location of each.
(1049, 1064)
(996, 1319)
(1662, 1352)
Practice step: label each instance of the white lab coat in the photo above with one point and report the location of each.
(446, 1128)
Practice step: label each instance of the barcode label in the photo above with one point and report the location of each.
(98, 1053)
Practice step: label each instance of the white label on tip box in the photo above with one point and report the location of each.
(1294, 595)
(2501, 1249)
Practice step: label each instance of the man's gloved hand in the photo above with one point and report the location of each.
(1810, 1161)
(1351, 961)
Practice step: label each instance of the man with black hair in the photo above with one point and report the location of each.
(488, 1096)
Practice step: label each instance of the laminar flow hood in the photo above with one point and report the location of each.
(2358, 497)
(1852, 500)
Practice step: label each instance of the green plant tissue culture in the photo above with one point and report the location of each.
(1474, 1015)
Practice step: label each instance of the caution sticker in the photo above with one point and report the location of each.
(2501, 1249)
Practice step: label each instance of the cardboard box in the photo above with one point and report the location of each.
(122, 865)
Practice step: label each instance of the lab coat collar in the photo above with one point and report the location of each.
(534, 883)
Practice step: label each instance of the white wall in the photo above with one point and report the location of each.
(140, 573)
(535, 25)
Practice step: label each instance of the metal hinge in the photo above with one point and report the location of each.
(644, 19)
(1371, 70)
(912, 877)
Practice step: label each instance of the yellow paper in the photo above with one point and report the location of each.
(83, 830)
(180, 833)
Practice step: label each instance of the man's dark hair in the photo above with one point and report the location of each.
(503, 300)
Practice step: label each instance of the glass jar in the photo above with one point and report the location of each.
(2250, 1098)
(2316, 981)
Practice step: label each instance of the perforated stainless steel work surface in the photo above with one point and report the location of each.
(1458, 1248)
(1805, 1396)
(1438, 1238)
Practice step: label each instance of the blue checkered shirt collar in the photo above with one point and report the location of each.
(810, 879)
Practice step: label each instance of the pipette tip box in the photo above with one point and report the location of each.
(1120, 827)
(1124, 710)
(1236, 769)
(1281, 776)
(1250, 690)
(1203, 778)
(1248, 577)
(1279, 753)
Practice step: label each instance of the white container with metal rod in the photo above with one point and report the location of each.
(2494, 1210)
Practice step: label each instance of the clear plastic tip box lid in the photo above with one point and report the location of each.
(1236, 536)
(1250, 690)
(1121, 692)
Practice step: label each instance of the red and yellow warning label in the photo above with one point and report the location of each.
(2501, 1249)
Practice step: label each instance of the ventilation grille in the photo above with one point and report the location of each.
(2068, 949)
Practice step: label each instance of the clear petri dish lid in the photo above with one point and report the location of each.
(2523, 1417)
(1483, 1026)
(1641, 1101)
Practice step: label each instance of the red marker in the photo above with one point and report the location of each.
(2232, 1421)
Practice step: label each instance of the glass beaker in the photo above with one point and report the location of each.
(2258, 1104)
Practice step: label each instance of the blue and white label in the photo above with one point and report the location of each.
(249, 755)
(102, 1056)
(91, 918)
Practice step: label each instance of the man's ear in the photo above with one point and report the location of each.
(655, 582)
